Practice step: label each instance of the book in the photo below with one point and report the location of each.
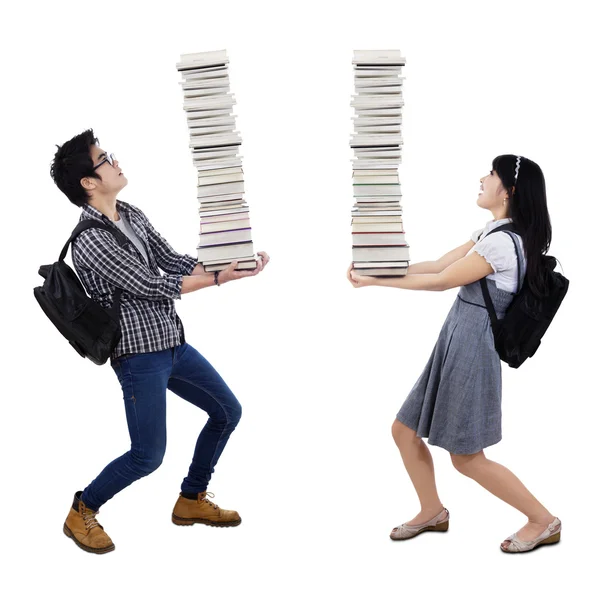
(225, 237)
(224, 226)
(381, 253)
(225, 251)
(379, 239)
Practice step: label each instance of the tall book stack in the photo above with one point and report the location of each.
(379, 246)
(225, 233)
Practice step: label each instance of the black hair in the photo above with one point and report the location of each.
(71, 163)
(528, 209)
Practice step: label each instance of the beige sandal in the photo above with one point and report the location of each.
(438, 523)
(551, 535)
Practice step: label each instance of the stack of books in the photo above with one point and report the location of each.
(225, 233)
(379, 245)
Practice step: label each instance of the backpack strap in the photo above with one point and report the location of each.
(93, 224)
(509, 228)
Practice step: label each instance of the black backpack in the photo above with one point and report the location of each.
(518, 335)
(92, 330)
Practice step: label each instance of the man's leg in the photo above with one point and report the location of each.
(143, 378)
(195, 380)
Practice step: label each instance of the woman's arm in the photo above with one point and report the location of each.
(437, 266)
(461, 272)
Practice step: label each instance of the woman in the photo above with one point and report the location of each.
(456, 402)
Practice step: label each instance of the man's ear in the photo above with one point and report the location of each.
(88, 183)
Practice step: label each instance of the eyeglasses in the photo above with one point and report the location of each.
(109, 158)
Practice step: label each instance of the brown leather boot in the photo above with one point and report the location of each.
(202, 510)
(86, 532)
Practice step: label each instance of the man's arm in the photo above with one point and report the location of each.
(99, 251)
(168, 260)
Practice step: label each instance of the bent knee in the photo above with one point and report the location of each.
(466, 463)
(402, 433)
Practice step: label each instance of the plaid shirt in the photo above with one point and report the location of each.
(148, 319)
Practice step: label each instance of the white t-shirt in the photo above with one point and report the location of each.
(499, 251)
(124, 225)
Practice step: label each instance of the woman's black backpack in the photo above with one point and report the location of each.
(92, 330)
(518, 335)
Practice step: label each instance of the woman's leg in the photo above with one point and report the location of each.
(419, 465)
(504, 484)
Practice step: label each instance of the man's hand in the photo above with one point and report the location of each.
(230, 274)
(198, 270)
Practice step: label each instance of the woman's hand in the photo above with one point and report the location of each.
(359, 281)
(230, 274)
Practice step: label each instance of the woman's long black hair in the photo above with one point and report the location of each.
(528, 209)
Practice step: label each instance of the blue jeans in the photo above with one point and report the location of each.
(145, 379)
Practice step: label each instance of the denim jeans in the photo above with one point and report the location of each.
(145, 379)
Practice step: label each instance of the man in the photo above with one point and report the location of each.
(152, 355)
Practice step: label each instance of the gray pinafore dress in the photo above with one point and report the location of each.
(456, 402)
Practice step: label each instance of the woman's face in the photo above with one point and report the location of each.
(492, 194)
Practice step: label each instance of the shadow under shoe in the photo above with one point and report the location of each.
(202, 510)
(439, 523)
(81, 526)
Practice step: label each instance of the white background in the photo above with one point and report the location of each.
(319, 367)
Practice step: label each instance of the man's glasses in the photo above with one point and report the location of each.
(109, 158)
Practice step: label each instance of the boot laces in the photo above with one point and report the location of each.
(89, 519)
(209, 502)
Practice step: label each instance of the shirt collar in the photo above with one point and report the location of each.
(493, 224)
(89, 212)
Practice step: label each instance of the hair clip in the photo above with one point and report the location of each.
(517, 169)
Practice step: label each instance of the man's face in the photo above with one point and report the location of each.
(113, 179)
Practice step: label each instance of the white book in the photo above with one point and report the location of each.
(192, 75)
(387, 89)
(378, 172)
(243, 265)
(243, 223)
(204, 93)
(211, 263)
(226, 252)
(218, 189)
(212, 154)
(196, 116)
(377, 129)
(217, 172)
(211, 122)
(380, 213)
(196, 84)
(378, 239)
(370, 113)
(219, 102)
(377, 121)
(356, 218)
(378, 57)
(380, 80)
(369, 102)
(223, 211)
(377, 227)
(383, 253)
(380, 264)
(208, 202)
(217, 179)
(225, 217)
(198, 131)
(375, 180)
(205, 165)
(203, 58)
(367, 72)
(225, 237)
(374, 164)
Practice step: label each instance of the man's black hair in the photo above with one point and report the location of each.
(71, 163)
